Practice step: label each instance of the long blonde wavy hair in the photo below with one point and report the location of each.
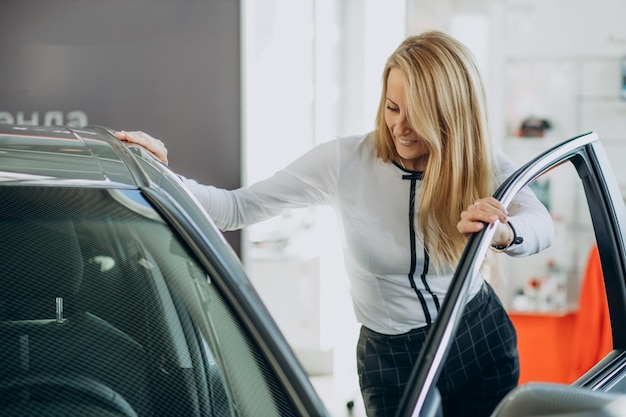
(446, 109)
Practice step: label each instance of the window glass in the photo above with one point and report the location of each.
(98, 295)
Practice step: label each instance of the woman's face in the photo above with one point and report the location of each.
(413, 153)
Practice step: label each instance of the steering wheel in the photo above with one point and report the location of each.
(72, 389)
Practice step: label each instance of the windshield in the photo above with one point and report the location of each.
(103, 304)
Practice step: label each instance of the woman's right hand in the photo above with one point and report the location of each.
(152, 145)
(485, 210)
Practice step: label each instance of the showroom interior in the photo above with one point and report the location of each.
(238, 89)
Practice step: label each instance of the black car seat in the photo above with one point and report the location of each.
(52, 349)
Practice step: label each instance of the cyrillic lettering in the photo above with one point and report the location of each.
(77, 118)
(34, 118)
(53, 118)
(6, 117)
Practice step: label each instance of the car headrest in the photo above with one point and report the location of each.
(39, 260)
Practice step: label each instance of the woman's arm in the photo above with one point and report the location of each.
(309, 180)
(524, 228)
(529, 218)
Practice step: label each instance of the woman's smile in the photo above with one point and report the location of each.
(407, 141)
(411, 150)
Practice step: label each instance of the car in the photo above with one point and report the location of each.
(120, 297)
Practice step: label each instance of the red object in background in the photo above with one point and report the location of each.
(592, 338)
(544, 342)
(534, 283)
(560, 348)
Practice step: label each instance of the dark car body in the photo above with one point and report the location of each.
(120, 297)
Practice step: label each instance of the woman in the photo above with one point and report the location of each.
(407, 196)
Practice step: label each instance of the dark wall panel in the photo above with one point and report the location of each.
(171, 68)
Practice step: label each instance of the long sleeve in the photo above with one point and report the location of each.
(308, 181)
(528, 216)
(372, 200)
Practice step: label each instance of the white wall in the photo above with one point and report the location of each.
(312, 72)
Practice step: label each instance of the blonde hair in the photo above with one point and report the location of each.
(446, 109)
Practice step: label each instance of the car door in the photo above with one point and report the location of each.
(607, 214)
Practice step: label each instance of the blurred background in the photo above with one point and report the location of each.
(238, 89)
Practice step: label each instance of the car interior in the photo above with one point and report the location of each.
(92, 322)
(51, 344)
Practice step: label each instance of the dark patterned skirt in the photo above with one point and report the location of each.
(481, 368)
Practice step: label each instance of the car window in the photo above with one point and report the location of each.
(103, 307)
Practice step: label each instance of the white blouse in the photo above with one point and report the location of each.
(371, 200)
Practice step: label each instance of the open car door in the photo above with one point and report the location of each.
(604, 386)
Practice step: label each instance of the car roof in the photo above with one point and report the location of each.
(58, 155)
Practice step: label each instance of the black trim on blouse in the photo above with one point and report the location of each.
(425, 296)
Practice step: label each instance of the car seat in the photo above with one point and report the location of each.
(52, 349)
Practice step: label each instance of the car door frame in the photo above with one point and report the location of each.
(608, 216)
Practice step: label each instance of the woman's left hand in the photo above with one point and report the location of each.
(486, 210)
